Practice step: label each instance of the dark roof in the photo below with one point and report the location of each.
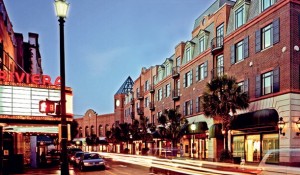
(126, 86)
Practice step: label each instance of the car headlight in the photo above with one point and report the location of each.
(86, 163)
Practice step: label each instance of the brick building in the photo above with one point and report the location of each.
(257, 42)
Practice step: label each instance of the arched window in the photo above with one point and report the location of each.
(87, 134)
(106, 128)
(92, 130)
(80, 132)
(100, 131)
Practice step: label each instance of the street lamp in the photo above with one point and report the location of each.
(61, 7)
(193, 128)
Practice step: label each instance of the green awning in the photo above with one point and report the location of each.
(215, 131)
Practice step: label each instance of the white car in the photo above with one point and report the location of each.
(91, 160)
(280, 162)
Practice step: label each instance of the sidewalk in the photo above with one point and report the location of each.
(53, 170)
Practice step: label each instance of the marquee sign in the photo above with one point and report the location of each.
(36, 79)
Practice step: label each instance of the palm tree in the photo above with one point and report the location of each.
(224, 96)
(173, 125)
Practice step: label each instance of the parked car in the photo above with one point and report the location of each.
(53, 157)
(280, 161)
(91, 160)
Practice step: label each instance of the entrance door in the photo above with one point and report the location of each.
(202, 149)
(253, 148)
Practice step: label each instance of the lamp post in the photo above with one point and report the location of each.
(61, 7)
(193, 128)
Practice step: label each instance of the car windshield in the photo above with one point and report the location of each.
(78, 154)
(91, 156)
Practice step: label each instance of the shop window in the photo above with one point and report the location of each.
(238, 146)
(270, 142)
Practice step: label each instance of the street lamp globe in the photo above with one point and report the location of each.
(193, 126)
(61, 7)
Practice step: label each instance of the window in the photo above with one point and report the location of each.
(146, 102)
(220, 34)
(168, 90)
(159, 94)
(266, 4)
(267, 83)
(220, 65)
(201, 71)
(154, 79)
(160, 75)
(100, 131)
(241, 85)
(199, 105)
(201, 44)
(188, 108)
(239, 51)
(167, 70)
(146, 85)
(188, 79)
(267, 36)
(178, 61)
(239, 17)
(188, 54)
(267, 79)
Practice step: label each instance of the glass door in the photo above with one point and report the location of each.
(253, 148)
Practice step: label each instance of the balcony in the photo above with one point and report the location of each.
(140, 111)
(175, 72)
(132, 101)
(151, 88)
(217, 72)
(217, 44)
(152, 106)
(176, 94)
(140, 95)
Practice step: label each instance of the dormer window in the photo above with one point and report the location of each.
(239, 17)
(188, 54)
(201, 44)
(167, 70)
(266, 4)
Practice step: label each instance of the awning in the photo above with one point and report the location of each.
(201, 127)
(215, 131)
(265, 119)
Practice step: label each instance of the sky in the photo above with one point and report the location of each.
(105, 41)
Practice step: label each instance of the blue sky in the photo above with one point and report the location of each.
(105, 40)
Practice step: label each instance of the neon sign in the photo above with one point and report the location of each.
(37, 79)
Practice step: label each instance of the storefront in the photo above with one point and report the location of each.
(253, 134)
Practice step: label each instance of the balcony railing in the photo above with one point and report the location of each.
(176, 94)
(151, 88)
(140, 111)
(151, 106)
(217, 44)
(140, 95)
(132, 101)
(217, 72)
(175, 72)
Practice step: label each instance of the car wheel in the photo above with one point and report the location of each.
(81, 167)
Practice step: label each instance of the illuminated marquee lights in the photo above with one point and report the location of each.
(28, 78)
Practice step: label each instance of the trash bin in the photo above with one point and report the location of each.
(236, 160)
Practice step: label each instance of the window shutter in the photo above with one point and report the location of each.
(276, 31)
(257, 41)
(276, 80)
(191, 107)
(246, 86)
(197, 72)
(246, 47)
(184, 80)
(205, 69)
(197, 104)
(258, 86)
(183, 109)
(232, 54)
(165, 91)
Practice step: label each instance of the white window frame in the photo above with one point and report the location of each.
(267, 34)
(239, 50)
(239, 13)
(267, 78)
(188, 53)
